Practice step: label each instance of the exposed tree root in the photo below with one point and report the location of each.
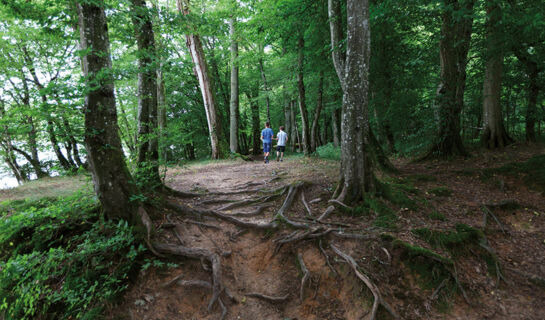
(326, 213)
(306, 275)
(327, 258)
(179, 194)
(258, 210)
(315, 200)
(435, 294)
(255, 200)
(198, 253)
(216, 214)
(305, 204)
(337, 202)
(374, 289)
(487, 212)
(267, 298)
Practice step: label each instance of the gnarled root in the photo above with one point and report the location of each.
(374, 289)
(198, 253)
(267, 298)
(306, 275)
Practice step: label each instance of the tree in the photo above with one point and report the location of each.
(148, 149)
(209, 98)
(305, 133)
(494, 134)
(112, 181)
(352, 67)
(234, 103)
(457, 21)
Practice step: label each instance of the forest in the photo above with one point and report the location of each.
(136, 183)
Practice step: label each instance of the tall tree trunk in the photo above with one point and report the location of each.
(335, 127)
(161, 111)
(148, 147)
(494, 134)
(55, 145)
(457, 22)
(201, 71)
(302, 99)
(319, 105)
(531, 111)
(73, 141)
(265, 87)
(287, 114)
(112, 180)
(356, 173)
(296, 140)
(256, 135)
(234, 103)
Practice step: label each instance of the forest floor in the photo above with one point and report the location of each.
(433, 255)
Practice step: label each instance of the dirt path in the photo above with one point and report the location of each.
(252, 261)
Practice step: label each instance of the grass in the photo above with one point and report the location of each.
(46, 188)
(436, 215)
(441, 191)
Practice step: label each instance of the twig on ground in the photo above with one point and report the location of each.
(315, 200)
(306, 275)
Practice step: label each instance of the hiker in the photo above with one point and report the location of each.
(266, 136)
(282, 138)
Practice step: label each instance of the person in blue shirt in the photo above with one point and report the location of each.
(266, 136)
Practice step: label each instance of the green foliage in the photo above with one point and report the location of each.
(441, 191)
(329, 151)
(533, 170)
(436, 215)
(60, 261)
(396, 193)
(385, 217)
(454, 241)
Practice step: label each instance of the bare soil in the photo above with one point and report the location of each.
(252, 262)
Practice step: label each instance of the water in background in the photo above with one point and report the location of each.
(7, 181)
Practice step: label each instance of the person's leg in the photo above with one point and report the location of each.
(282, 156)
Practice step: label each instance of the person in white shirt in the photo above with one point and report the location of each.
(282, 138)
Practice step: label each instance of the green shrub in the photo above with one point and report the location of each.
(61, 261)
(329, 151)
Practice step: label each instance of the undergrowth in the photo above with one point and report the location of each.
(59, 260)
(533, 170)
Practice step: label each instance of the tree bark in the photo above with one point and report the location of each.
(112, 180)
(307, 149)
(457, 22)
(234, 103)
(265, 87)
(356, 173)
(287, 113)
(494, 134)
(335, 126)
(319, 105)
(55, 145)
(203, 75)
(148, 147)
(531, 111)
(256, 133)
